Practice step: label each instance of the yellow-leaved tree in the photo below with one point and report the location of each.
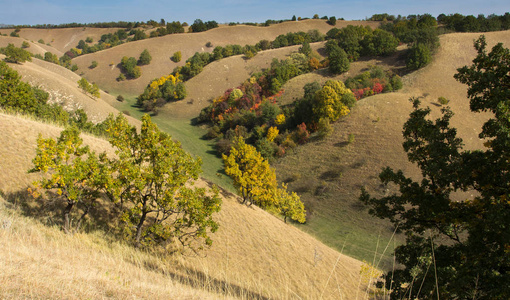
(256, 182)
(252, 175)
(289, 205)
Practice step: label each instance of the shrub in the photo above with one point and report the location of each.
(443, 100)
(350, 138)
(324, 128)
(332, 21)
(16, 55)
(121, 77)
(25, 44)
(120, 98)
(89, 39)
(338, 61)
(418, 57)
(177, 56)
(14, 34)
(41, 41)
(145, 58)
(208, 45)
(74, 67)
(93, 64)
(50, 57)
(396, 82)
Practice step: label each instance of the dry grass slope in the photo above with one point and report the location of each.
(376, 125)
(254, 255)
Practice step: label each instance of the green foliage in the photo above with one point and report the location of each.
(16, 55)
(77, 175)
(50, 57)
(155, 184)
(129, 66)
(14, 34)
(338, 61)
(121, 77)
(442, 100)
(461, 241)
(41, 41)
(379, 43)
(349, 39)
(25, 45)
(89, 40)
(305, 49)
(199, 25)
(145, 58)
(332, 21)
(177, 56)
(418, 57)
(460, 23)
(91, 89)
(17, 95)
(93, 64)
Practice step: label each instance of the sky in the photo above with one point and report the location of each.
(32, 12)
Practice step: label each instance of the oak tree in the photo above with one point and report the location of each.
(76, 174)
(455, 249)
(155, 186)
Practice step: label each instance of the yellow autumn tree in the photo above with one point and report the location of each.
(289, 205)
(272, 133)
(252, 175)
(328, 101)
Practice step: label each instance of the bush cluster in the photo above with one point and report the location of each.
(130, 68)
(199, 25)
(249, 112)
(20, 97)
(161, 90)
(372, 82)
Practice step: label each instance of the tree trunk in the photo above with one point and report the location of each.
(67, 212)
(139, 229)
(82, 217)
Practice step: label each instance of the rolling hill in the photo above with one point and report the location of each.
(255, 255)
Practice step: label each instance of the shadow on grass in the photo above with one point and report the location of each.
(49, 210)
(341, 144)
(200, 280)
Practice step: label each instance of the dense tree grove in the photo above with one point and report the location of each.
(455, 249)
(199, 25)
(161, 90)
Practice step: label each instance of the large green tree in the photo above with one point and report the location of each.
(455, 249)
(76, 175)
(155, 187)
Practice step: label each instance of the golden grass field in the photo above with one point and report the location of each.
(254, 255)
